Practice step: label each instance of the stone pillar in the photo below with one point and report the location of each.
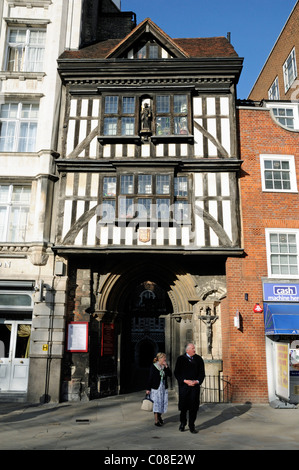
(76, 386)
(47, 341)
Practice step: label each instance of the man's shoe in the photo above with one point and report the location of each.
(182, 427)
(193, 431)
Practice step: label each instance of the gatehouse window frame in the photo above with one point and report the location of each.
(147, 197)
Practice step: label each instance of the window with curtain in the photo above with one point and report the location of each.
(14, 212)
(25, 50)
(18, 126)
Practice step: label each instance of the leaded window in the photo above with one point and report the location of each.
(145, 196)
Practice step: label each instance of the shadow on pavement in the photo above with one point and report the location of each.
(225, 415)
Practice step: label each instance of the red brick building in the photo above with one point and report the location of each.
(269, 206)
(277, 79)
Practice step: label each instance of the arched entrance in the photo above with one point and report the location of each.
(143, 333)
(146, 302)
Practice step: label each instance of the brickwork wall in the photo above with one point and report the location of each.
(244, 355)
(273, 67)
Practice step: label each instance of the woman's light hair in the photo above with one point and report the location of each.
(159, 356)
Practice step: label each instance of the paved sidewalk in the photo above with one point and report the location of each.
(117, 423)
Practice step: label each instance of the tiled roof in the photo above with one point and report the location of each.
(193, 47)
(207, 47)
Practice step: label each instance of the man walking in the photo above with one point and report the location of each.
(190, 373)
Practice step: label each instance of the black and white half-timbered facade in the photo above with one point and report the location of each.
(148, 206)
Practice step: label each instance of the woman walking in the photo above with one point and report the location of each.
(157, 386)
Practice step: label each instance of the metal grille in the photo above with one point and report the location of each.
(216, 389)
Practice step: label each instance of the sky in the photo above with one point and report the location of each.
(254, 26)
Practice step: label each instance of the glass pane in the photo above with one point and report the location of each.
(37, 37)
(3, 212)
(163, 126)
(128, 105)
(23, 341)
(126, 208)
(163, 104)
(9, 110)
(5, 334)
(17, 36)
(163, 184)
(180, 104)
(294, 270)
(144, 184)
(180, 125)
(273, 237)
(141, 54)
(111, 104)
(181, 186)
(163, 208)
(128, 126)
(274, 248)
(110, 126)
(107, 210)
(126, 184)
(4, 193)
(21, 194)
(144, 207)
(29, 111)
(27, 137)
(15, 60)
(7, 136)
(18, 224)
(153, 51)
(268, 184)
(109, 186)
(181, 211)
(277, 185)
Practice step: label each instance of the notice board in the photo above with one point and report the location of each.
(77, 337)
(107, 346)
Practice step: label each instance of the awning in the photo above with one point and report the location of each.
(281, 319)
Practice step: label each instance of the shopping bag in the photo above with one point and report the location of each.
(147, 404)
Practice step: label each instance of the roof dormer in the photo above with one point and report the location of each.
(147, 41)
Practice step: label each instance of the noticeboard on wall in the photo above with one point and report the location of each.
(107, 344)
(77, 337)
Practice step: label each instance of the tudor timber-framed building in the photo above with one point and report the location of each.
(148, 209)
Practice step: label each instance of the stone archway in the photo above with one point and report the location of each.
(116, 299)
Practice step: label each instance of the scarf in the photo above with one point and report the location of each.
(162, 373)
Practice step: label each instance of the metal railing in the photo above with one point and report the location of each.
(216, 389)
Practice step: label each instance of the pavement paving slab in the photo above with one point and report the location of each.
(117, 424)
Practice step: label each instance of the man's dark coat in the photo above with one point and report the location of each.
(189, 369)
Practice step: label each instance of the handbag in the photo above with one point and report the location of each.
(147, 404)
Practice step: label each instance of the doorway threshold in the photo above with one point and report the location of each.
(13, 397)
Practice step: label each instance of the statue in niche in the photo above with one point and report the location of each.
(209, 320)
(146, 120)
(146, 117)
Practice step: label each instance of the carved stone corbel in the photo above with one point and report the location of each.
(38, 255)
